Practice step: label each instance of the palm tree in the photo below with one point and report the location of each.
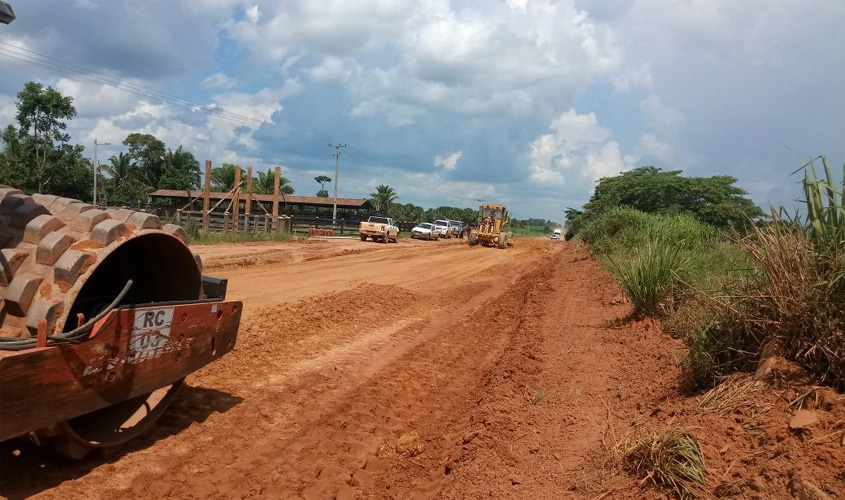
(264, 183)
(120, 168)
(382, 197)
(181, 170)
(126, 183)
(223, 178)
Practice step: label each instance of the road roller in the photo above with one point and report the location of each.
(104, 313)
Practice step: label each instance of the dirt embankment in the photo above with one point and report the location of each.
(427, 370)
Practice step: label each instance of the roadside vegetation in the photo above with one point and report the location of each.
(209, 238)
(698, 255)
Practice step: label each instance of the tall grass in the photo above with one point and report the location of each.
(658, 259)
(647, 279)
(796, 297)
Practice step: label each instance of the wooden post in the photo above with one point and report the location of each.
(248, 207)
(206, 196)
(225, 222)
(179, 216)
(236, 200)
(278, 174)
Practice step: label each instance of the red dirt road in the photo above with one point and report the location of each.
(411, 371)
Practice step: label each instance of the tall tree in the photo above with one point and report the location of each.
(181, 171)
(265, 181)
(149, 153)
(382, 197)
(37, 155)
(714, 200)
(14, 166)
(322, 180)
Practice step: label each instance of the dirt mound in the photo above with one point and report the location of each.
(273, 339)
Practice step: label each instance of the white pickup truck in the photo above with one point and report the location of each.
(379, 229)
(445, 227)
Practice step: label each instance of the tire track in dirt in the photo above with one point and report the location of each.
(563, 393)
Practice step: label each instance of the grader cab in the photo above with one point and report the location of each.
(492, 222)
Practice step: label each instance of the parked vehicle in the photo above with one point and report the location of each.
(556, 234)
(459, 228)
(425, 231)
(379, 229)
(445, 228)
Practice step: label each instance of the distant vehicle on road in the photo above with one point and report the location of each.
(379, 229)
(458, 228)
(425, 231)
(556, 234)
(445, 228)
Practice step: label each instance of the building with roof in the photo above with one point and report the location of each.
(288, 204)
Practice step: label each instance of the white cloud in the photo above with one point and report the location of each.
(480, 59)
(448, 160)
(219, 80)
(419, 187)
(631, 78)
(578, 148)
(649, 145)
(253, 14)
(329, 69)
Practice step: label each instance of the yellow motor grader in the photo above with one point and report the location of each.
(492, 220)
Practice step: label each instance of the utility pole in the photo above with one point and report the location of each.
(97, 168)
(336, 161)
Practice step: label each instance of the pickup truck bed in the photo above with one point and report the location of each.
(379, 229)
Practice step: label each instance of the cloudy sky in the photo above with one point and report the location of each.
(522, 102)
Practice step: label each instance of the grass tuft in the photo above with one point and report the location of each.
(647, 278)
(671, 459)
(732, 394)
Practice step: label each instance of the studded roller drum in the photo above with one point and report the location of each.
(66, 261)
(62, 257)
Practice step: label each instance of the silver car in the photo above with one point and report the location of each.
(425, 231)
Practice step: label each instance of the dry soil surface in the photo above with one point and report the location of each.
(425, 370)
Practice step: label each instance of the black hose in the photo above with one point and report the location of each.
(75, 335)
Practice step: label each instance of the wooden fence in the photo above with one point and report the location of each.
(221, 222)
